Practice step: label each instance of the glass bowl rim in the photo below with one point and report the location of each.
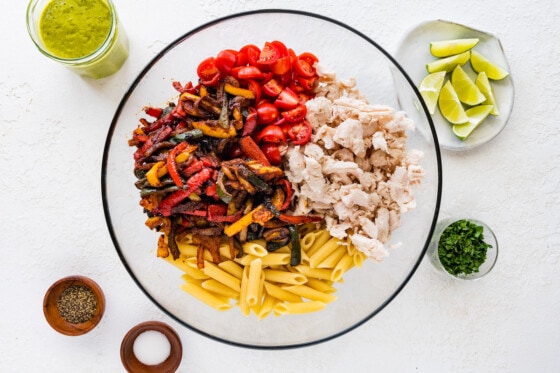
(177, 42)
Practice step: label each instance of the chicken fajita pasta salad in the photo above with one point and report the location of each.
(269, 179)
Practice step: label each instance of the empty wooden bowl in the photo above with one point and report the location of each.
(134, 365)
(81, 306)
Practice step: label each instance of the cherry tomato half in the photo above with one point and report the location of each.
(287, 99)
(272, 153)
(246, 72)
(207, 69)
(252, 52)
(272, 88)
(271, 133)
(225, 60)
(303, 68)
(300, 133)
(266, 112)
(254, 87)
(296, 114)
(269, 54)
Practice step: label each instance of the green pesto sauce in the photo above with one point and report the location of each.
(75, 28)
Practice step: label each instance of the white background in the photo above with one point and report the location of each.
(53, 126)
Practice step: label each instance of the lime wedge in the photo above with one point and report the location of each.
(448, 63)
(450, 106)
(429, 89)
(445, 48)
(480, 63)
(466, 90)
(483, 84)
(476, 115)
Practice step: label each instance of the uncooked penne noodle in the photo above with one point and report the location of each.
(222, 276)
(232, 268)
(205, 296)
(321, 273)
(253, 286)
(280, 294)
(342, 266)
(256, 248)
(298, 308)
(333, 258)
(324, 251)
(284, 277)
(309, 293)
(321, 285)
(217, 287)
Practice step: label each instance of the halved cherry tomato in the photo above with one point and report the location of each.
(300, 133)
(207, 69)
(250, 124)
(287, 99)
(246, 72)
(307, 84)
(266, 112)
(254, 87)
(271, 133)
(303, 68)
(269, 54)
(281, 47)
(310, 58)
(272, 88)
(225, 60)
(252, 52)
(303, 98)
(281, 66)
(296, 114)
(272, 153)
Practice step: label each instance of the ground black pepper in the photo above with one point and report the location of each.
(77, 304)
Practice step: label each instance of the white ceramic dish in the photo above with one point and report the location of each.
(413, 54)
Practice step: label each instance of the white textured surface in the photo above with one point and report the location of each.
(52, 131)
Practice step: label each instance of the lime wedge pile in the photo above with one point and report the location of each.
(464, 101)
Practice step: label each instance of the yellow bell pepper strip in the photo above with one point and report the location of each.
(258, 215)
(152, 175)
(209, 128)
(236, 91)
(172, 163)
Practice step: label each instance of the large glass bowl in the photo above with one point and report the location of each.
(365, 291)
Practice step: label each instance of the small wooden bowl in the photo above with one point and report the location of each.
(169, 365)
(56, 321)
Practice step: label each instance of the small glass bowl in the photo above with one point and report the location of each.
(489, 238)
(56, 321)
(133, 365)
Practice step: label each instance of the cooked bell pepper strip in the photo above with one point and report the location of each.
(221, 189)
(152, 174)
(215, 131)
(153, 140)
(195, 182)
(192, 168)
(297, 219)
(289, 192)
(171, 243)
(162, 248)
(296, 248)
(250, 122)
(187, 96)
(257, 215)
(153, 111)
(236, 91)
(211, 191)
(172, 163)
(243, 173)
(223, 120)
(252, 150)
(215, 211)
(188, 135)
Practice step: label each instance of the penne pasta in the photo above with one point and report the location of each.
(299, 308)
(254, 283)
(309, 293)
(320, 273)
(205, 296)
(323, 251)
(359, 258)
(217, 287)
(280, 294)
(334, 257)
(284, 277)
(342, 266)
(321, 285)
(266, 307)
(232, 268)
(256, 248)
(245, 310)
(212, 270)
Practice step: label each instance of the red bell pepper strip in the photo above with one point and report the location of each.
(297, 219)
(212, 191)
(177, 197)
(252, 150)
(250, 122)
(154, 139)
(193, 168)
(172, 164)
(153, 111)
(289, 192)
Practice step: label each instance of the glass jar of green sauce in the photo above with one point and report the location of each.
(83, 35)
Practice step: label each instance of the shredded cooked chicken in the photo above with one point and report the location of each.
(356, 171)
